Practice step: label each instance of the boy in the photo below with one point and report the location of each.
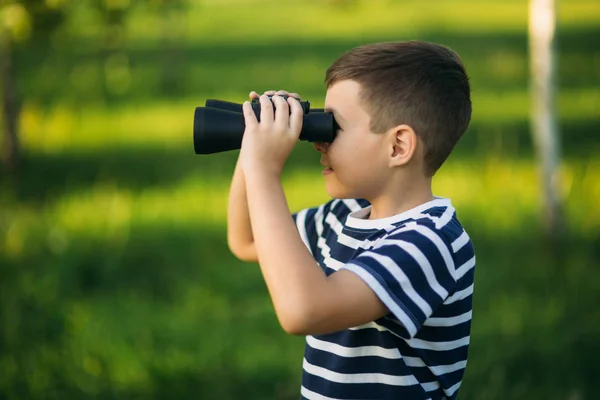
(386, 307)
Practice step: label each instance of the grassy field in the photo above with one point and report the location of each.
(115, 278)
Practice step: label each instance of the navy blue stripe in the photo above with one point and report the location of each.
(416, 275)
(463, 256)
(449, 333)
(434, 357)
(459, 307)
(393, 289)
(342, 252)
(448, 380)
(390, 322)
(361, 337)
(356, 365)
(433, 255)
(437, 394)
(365, 391)
(396, 338)
(423, 374)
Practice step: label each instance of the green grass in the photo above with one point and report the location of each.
(115, 277)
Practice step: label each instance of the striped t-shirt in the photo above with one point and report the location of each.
(420, 264)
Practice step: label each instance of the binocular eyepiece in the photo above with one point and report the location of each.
(219, 125)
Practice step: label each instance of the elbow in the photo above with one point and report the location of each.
(243, 252)
(296, 321)
(294, 327)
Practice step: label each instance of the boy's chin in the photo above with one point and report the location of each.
(336, 192)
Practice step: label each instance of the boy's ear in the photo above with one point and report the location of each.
(402, 145)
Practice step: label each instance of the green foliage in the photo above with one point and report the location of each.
(115, 277)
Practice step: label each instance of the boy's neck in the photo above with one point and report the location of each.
(402, 198)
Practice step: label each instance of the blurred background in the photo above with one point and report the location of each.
(115, 277)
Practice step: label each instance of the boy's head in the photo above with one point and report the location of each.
(382, 92)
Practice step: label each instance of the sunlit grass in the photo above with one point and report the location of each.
(499, 197)
(169, 125)
(317, 19)
(116, 280)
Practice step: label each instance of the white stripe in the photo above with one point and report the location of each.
(349, 241)
(414, 362)
(372, 325)
(439, 243)
(369, 244)
(384, 297)
(344, 239)
(301, 225)
(445, 218)
(310, 395)
(360, 351)
(322, 244)
(423, 262)
(430, 386)
(450, 321)
(461, 294)
(463, 269)
(460, 242)
(442, 221)
(318, 220)
(438, 346)
(439, 370)
(402, 279)
(395, 380)
(335, 224)
(352, 204)
(452, 389)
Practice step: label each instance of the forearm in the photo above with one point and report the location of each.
(290, 272)
(239, 227)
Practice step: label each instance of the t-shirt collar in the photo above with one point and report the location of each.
(357, 219)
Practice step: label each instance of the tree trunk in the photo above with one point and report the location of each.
(11, 156)
(543, 113)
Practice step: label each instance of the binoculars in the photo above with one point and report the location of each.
(219, 125)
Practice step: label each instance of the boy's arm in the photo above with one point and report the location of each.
(396, 276)
(305, 299)
(239, 228)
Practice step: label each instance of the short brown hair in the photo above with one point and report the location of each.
(420, 84)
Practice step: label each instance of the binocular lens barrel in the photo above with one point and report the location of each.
(220, 125)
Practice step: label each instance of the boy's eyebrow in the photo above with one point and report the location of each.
(336, 114)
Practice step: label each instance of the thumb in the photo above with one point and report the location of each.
(249, 117)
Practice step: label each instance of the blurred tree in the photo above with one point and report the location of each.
(171, 28)
(36, 21)
(10, 145)
(20, 21)
(544, 126)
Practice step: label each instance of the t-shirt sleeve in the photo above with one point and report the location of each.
(411, 271)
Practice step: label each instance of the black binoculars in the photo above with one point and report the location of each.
(219, 125)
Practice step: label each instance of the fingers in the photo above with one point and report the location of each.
(282, 112)
(281, 93)
(249, 117)
(296, 115)
(253, 95)
(266, 110)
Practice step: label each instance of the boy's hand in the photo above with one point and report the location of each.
(267, 145)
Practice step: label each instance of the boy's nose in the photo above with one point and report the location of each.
(321, 147)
